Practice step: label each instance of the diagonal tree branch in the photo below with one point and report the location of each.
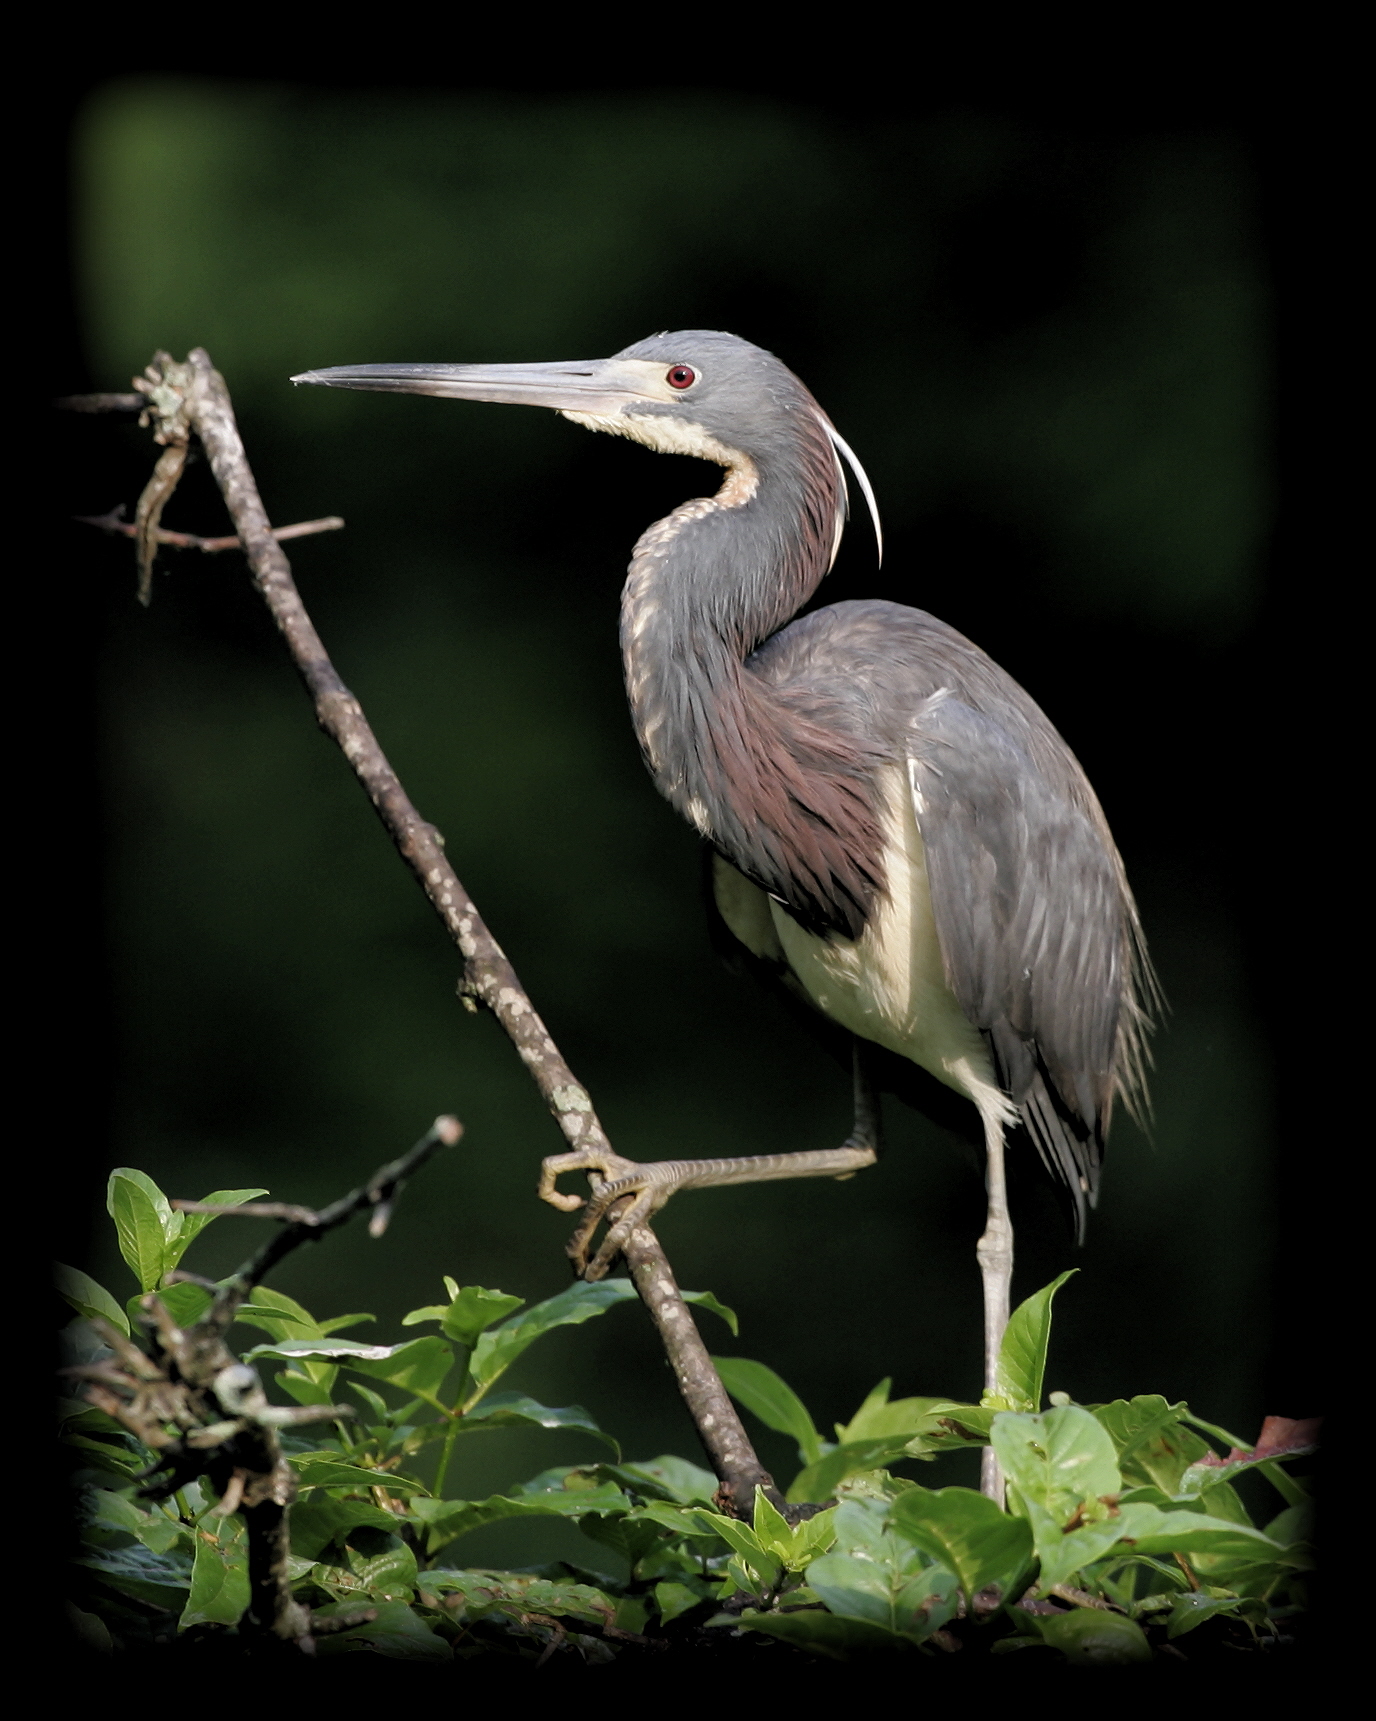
(193, 397)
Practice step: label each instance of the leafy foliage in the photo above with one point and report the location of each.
(1122, 1531)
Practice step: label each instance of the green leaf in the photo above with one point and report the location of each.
(338, 1350)
(339, 1322)
(144, 1223)
(794, 1545)
(114, 1511)
(185, 1303)
(517, 1593)
(294, 1327)
(819, 1482)
(1221, 1500)
(1207, 1473)
(912, 1602)
(515, 1410)
(1060, 1458)
(431, 1312)
(955, 1426)
(155, 1530)
(682, 1521)
(276, 1313)
(881, 1418)
(89, 1631)
(192, 1224)
(1094, 1637)
(968, 1534)
(705, 1300)
(1149, 1530)
(673, 1599)
(495, 1351)
(161, 1580)
(755, 1568)
(87, 1297)
(446, 1520)
(474, 1310)
(1134, 1422)
(772, 1530)
(219, 1577)
(1294, 1524)
(825, 1634)
(122, 1457)
(371, 1401)
(1193, 1608)
(303, 1389)
(397, 1632)
(418, 1367)
(1065, 1471)
(1022, 1356)
(382, 1563)
(1291, 1491)
(679, 1480)
(773, 1400)
(318, 1522)
(328, 1470)
(467, 1312)
(284, 1318)
(629, 1536)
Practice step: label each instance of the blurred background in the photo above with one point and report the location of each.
(1051, 341)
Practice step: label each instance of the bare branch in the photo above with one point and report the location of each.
(165, 410)
(100, 403)
(157, 493)
(198, 391)
(114, 522)
(252, 1210)
(305, 1225)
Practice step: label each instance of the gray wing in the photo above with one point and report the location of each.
(1038, 931)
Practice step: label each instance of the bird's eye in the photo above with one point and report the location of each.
(681, 376)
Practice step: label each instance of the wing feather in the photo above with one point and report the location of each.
(1035, 925)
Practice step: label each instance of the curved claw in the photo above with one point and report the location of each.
(639, 1189)
(626, 1194)
(607, 1164)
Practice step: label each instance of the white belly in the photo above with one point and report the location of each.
(889, 985)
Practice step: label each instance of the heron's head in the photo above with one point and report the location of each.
(690, 391)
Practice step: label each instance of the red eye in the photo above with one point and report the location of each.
(681, 376)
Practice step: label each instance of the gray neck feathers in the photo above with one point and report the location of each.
(785, 800)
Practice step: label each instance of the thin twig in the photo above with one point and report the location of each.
(113, 522)
(205, 1413)
(196, 390)
(252, 1210)
(1082, 1598)
(101, 403)
(305, 1225)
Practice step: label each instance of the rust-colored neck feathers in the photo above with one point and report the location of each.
(787, 798)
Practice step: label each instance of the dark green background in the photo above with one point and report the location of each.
(1051, 344)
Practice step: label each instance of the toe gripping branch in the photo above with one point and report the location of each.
(627, 1194)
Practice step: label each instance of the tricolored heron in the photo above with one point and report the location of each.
(897, 829)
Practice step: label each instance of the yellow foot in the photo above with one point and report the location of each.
(624, 1193)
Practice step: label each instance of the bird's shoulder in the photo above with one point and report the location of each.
(878, 665)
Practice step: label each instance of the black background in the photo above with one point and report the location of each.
(212, 1059)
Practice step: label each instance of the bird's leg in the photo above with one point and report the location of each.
(995, 1255)
(643, 1189)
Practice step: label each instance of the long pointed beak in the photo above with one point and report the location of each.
(593, 385)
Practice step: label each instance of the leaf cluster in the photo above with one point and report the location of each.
(1122, 1530)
